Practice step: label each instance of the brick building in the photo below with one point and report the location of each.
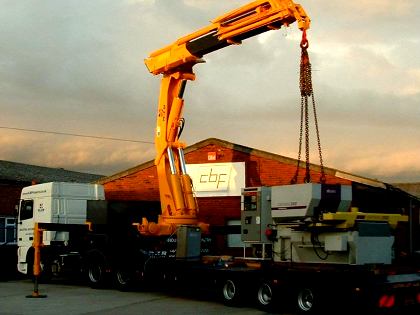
(261, 169)
(250, 167)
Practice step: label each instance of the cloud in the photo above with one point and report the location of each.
(78, 67)
(375, 8)
(147, 2)
(86, 155)
(401, 165)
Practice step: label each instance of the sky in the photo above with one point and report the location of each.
(77, 67)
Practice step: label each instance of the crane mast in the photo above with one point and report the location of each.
(175, 62)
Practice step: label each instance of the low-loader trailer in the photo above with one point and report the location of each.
(292, 257)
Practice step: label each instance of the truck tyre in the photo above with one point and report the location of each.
(123, 279)
(96, 273)
(265, 296)
(230, 292)
(306, 301)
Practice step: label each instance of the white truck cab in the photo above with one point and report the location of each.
(55, 202)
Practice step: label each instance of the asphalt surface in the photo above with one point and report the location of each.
(72, 298)
(67, 299)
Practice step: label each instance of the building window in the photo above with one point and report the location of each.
(7, 231)
(2, 230)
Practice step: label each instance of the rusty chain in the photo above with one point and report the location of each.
(306, 91)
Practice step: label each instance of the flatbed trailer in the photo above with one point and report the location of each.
(109, 250)
(303, 287)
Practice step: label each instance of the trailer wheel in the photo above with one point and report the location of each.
(230, 292)
(265, 296)
(306, 300)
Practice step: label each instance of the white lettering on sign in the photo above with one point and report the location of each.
(217, 179)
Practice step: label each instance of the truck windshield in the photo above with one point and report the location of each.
(26, 209)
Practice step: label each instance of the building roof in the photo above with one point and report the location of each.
(411, 188)
(260, 153)
(19, 172)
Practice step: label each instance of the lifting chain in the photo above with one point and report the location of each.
(306, 91)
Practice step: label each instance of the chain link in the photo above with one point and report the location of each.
(307, 163)
(321, 162)
(306, 91)
(295, 177)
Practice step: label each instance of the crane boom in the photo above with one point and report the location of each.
(175, 63)
(252, 19)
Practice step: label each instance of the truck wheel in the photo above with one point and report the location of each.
(230, 292)
(265, 296)
(123, 279)
(306, 301)
(96, 273)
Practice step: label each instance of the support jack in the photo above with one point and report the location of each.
(37, 244)
(35, 294)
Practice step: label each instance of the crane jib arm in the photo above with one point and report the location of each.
(229, 29)
(175, 62)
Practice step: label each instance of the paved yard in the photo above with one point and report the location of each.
(66, 299)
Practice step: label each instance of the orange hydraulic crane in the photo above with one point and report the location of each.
(175, 63)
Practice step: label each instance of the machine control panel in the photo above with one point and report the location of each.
(255, 214)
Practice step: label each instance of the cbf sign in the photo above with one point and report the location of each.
(217, 179)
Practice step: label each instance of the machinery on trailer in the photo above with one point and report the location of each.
(313, 223)
(313, 244)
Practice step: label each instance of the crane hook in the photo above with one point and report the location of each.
(304, 43)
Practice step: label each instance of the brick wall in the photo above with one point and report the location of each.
(260, 171)
(9, 197)
(142, 185)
